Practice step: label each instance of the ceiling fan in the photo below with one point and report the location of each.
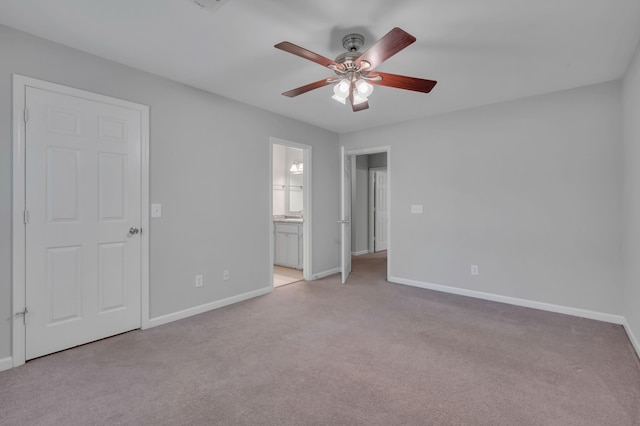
(355, 71)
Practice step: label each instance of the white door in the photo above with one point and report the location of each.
(381, 216)
(83, 265)
(345, 221)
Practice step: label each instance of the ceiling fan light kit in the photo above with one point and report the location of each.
(355, 71)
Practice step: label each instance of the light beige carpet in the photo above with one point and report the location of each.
(283, 276)
(323, 353)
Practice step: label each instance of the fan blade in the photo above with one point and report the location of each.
(308, 87)
(307, 54)
(393, 42)
(402, 82)
(356, 107)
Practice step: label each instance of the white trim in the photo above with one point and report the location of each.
(185, 313)
(632, 337)
(359, 253)
(370, 213)
(6, 363)
(346, 216)
(307, 206)
(376, 150)
(326, 273)
(145, 224)
(18, 247)
(567, 310)
(354, 219)
(18, 243)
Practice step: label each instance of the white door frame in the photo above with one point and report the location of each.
(346, 215)
(18, 245)
(376, 150)
(307, 238)
(372, 226)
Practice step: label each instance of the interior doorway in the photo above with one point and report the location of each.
(290, 212)
(80, 258)
(370, 189)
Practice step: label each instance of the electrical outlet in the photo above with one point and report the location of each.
(199, 280)
(474, 269)
(225, 275)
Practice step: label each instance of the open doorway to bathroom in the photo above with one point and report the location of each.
(290, 218)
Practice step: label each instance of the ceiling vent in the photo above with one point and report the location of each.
(210, 5)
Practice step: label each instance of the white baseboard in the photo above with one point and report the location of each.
(326, 273)
(577, 312)
(634, 340)
(6, 363)
(359, 253)
(164, 319)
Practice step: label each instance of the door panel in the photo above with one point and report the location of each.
(63, 184)
(112, 276)
(64, 284)
(112, 186)
(83, 195)
(345, 221)
(292, 249)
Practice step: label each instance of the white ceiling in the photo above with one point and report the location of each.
(479, 51)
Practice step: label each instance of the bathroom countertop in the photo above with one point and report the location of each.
(288, 219)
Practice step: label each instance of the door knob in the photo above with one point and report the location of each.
(133, 230)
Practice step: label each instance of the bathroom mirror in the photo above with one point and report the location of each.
(295, 193)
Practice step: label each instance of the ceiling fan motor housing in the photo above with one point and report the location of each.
(352, 42)
(348, 60)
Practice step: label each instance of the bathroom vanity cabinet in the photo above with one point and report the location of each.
(288, 243)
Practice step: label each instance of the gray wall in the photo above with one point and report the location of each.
(529, 190)
(378, 160)
(631, 105)
(198, 140)
(360, 205)
(279, 178)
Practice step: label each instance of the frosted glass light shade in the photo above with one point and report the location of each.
(341, 89)
(364, 89)
(339, 99)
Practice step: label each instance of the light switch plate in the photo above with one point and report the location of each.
(156, 210)
(416, 209)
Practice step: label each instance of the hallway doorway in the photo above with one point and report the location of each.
(370, 187)
(370, 266)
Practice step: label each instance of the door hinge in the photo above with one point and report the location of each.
(23, 314)
(26, 115)
(26, 217)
